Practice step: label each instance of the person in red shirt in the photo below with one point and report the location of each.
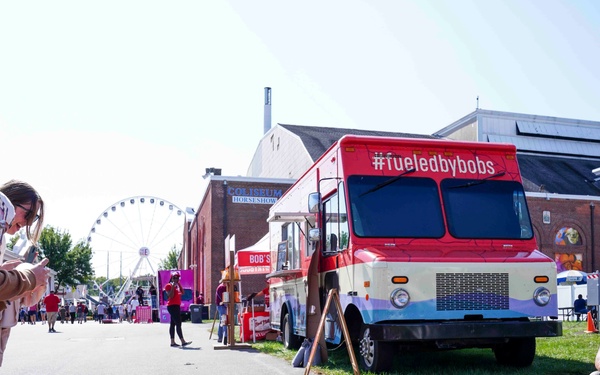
(264, 292)
(174, 291)
(51, 301)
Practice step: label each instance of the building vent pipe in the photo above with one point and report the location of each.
(267, 125)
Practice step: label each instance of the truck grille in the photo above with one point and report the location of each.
(471, 291)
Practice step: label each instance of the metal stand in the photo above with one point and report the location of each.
(333, 294)
(231, 343)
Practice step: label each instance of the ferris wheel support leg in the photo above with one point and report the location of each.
(121, 294)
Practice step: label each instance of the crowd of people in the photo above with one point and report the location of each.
(50, 310)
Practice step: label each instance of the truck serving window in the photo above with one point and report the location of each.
(486, 209)
(405, 207)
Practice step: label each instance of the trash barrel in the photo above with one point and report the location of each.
(196, 313)
(204, 311)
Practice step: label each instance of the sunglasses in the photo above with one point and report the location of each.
(28, 213)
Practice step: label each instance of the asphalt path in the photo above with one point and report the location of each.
(128, 348)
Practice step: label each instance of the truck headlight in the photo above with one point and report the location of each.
(542, 296)
(400, 298)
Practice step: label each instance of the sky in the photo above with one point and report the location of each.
(101, 101)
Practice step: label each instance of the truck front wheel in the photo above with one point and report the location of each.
(518, 352)
(290, 340)
(375, 356)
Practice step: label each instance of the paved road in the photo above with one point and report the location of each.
(125, 348)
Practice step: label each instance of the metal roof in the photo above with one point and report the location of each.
(576, 132)
(560, 175)
(317, 140)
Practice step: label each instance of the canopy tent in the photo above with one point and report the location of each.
(571, 277)
(255, 259)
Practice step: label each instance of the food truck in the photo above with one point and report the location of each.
(187, 282)
(427, 242)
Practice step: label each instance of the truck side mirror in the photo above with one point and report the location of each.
(314, 201)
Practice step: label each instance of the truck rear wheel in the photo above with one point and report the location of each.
(290, 340)
(375, 356)
(518, 352)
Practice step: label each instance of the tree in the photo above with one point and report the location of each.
(73, 266)
(170, 263)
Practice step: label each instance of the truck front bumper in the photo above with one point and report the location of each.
(462, 330)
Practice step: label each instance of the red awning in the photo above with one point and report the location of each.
(255, 259)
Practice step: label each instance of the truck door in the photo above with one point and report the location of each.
(336, 242)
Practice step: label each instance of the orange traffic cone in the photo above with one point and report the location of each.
(591, 327)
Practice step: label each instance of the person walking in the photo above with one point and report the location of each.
(100, 313)
(43, 313)
(22, 314)
(51, 301)
(222, 309)
(174, 291)
(32, 313)
(79, 310)
(63, 314)
(72, 312)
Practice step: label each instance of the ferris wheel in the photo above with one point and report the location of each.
(134, 235)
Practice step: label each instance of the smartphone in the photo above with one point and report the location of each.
(31, 254)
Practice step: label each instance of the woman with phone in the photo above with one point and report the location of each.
(21, 284)
(174, 291)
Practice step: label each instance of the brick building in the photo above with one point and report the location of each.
(231, 207)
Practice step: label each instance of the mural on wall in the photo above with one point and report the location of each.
(566, 262)
(567, 236)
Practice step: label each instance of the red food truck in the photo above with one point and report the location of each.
(428, 243)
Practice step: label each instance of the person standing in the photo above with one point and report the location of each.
(153, 295)
(133, 304)
(222, 309)
(140, 294)
(20, 279)
(51, 301)
(174, 291)
(72, 312)
(100, 313)
(63, 314)
(120, 312)
(264, 293)
(23, 284)
(154, 302)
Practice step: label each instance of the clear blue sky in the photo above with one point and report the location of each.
(100, 101)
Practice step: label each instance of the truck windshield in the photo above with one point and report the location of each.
(406, 207)
(492, 209)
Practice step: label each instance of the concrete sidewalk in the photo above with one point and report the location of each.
(126, 348)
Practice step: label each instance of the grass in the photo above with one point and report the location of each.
(573, 353)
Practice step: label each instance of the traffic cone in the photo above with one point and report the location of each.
(591, 327)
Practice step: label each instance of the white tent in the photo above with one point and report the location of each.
(255, 259)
